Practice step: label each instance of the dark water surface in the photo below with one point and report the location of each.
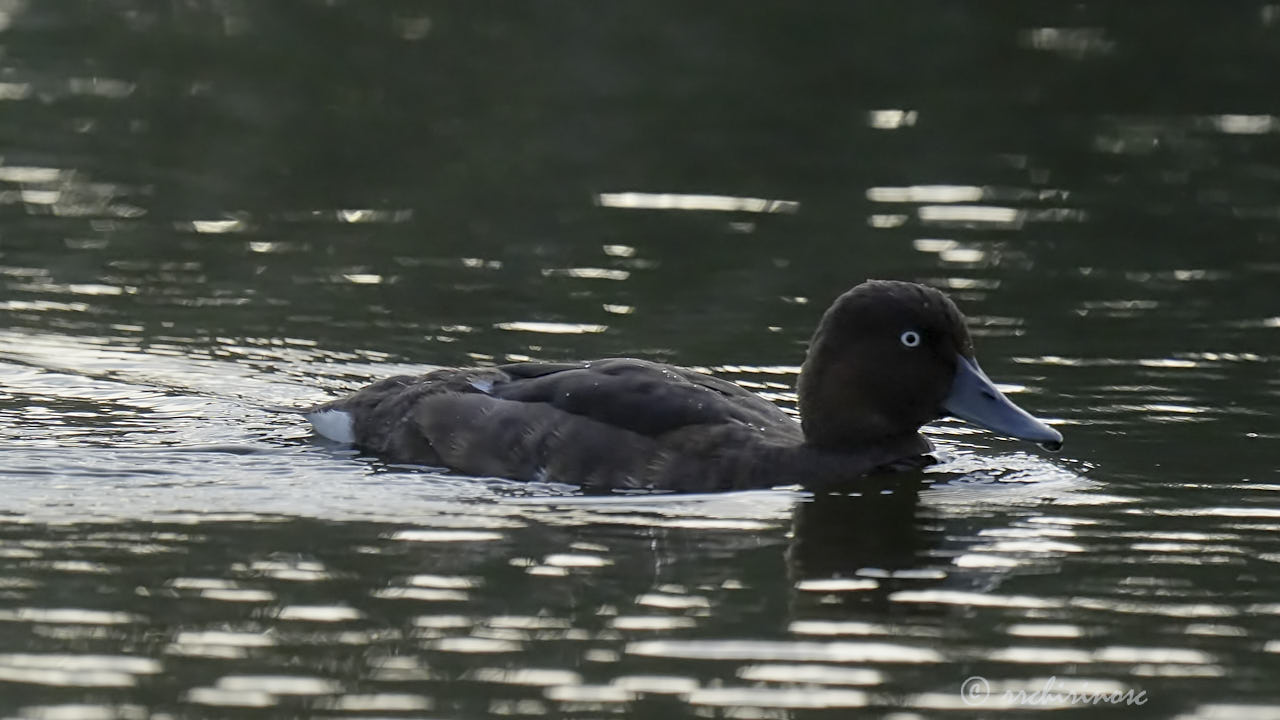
(208, 207)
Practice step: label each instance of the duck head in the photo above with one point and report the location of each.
(890, 356)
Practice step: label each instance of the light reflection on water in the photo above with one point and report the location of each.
(184, 244)
(204, 465)
(208, 509)
(171, 484)
(437, 645)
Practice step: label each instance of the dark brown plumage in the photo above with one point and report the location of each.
(885, 359)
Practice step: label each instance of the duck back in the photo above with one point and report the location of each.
(617, 423)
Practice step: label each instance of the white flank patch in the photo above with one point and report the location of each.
(334, 424)
(484, 386)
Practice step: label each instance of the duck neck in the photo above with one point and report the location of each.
(819, 468)
(771, 464)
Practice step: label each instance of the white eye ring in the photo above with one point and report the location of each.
(910, 338)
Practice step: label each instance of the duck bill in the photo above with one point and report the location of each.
(976, 399)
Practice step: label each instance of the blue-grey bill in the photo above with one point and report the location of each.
(974, 398)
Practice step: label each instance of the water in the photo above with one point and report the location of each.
(208, 208)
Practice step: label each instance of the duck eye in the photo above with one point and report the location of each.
(910, 338)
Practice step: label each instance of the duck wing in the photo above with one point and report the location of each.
(640, 396)
(614, 423)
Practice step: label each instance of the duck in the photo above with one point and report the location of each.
(887, 357)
